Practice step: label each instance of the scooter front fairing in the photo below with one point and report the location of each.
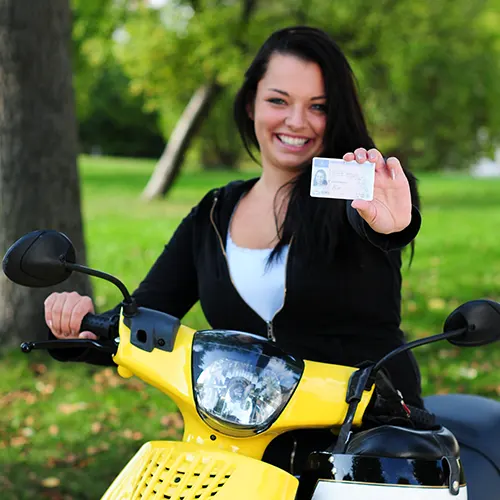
(187, 471)
(218, 455)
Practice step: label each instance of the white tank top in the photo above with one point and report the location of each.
(260, 285)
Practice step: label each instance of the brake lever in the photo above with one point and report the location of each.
(109, 346)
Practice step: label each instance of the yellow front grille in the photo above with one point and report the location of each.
(182, 476)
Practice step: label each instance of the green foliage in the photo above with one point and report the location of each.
(428, 71)
(118, 124)
(94, 22)
(111, 118)
(442, 68)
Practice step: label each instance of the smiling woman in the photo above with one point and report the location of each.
(289, 113)
(319, 277)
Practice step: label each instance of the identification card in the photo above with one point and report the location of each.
(347, 180)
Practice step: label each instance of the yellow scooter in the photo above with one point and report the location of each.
(237, 392)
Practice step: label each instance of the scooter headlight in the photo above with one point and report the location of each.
(242, 382)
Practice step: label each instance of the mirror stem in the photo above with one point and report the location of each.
(129, 305)
(417, 343)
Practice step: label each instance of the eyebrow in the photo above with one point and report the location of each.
(288, 95)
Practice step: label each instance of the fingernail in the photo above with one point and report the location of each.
(49, 323)
(372, 157)
(359, 156)
(393, 174)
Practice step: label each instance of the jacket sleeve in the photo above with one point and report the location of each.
(171, 286)
(393, 241)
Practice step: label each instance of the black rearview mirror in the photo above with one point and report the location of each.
(38, 259)
(480, 318)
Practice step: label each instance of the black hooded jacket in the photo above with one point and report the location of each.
(345, 312)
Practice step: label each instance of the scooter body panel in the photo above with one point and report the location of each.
(318, 400)
(177, 470)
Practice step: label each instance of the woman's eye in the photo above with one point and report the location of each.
(276, 100)
(320, 107)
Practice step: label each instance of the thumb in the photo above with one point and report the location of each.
(87, 335)
(366, 209)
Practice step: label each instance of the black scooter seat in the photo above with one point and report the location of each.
(474, 420)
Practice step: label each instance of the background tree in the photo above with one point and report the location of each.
(39, 185)
(427, 72)
(112, 120)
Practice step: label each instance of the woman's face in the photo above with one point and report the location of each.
(289, 112)
(320, 177)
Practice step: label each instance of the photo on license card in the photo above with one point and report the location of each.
(319, 178)
(339, 179)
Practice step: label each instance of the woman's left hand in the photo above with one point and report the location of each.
(390, 209)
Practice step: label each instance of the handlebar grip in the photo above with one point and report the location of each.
(100, 325)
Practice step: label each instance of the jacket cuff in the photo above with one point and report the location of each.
(394, 241)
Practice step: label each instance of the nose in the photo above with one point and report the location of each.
(296, 118)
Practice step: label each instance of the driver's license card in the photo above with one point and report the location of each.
(347, 180)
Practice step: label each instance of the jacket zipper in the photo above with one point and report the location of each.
(269, 324)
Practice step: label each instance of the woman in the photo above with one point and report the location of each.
(320, 277)
(320, 178)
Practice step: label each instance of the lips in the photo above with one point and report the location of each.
(293, 141)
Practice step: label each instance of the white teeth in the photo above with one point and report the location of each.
(293, 141)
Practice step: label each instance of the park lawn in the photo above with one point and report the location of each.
(66, 430)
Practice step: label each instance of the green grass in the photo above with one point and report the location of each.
(66, 429)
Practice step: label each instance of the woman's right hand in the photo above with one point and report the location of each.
(64, 313)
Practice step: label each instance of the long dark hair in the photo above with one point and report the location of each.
(314, 223)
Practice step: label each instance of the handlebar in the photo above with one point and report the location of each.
(105, 327)
(102, 326)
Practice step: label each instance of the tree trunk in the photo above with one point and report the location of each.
(39, 185)
(171, 160)
(170, 163)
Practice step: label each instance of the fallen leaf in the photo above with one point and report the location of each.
(69, 408)
(10, 397)
(135, 384)
(53, 430)
(27, 432)
(172, 420)
(436, 304)
(70, 459)
(96, 427)
(127, 434)
(85, 463)
(169, 433)
(51, 482)
(18, 441)
(44, 388)
(38, 368)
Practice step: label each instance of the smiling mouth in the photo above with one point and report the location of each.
(293, 141)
